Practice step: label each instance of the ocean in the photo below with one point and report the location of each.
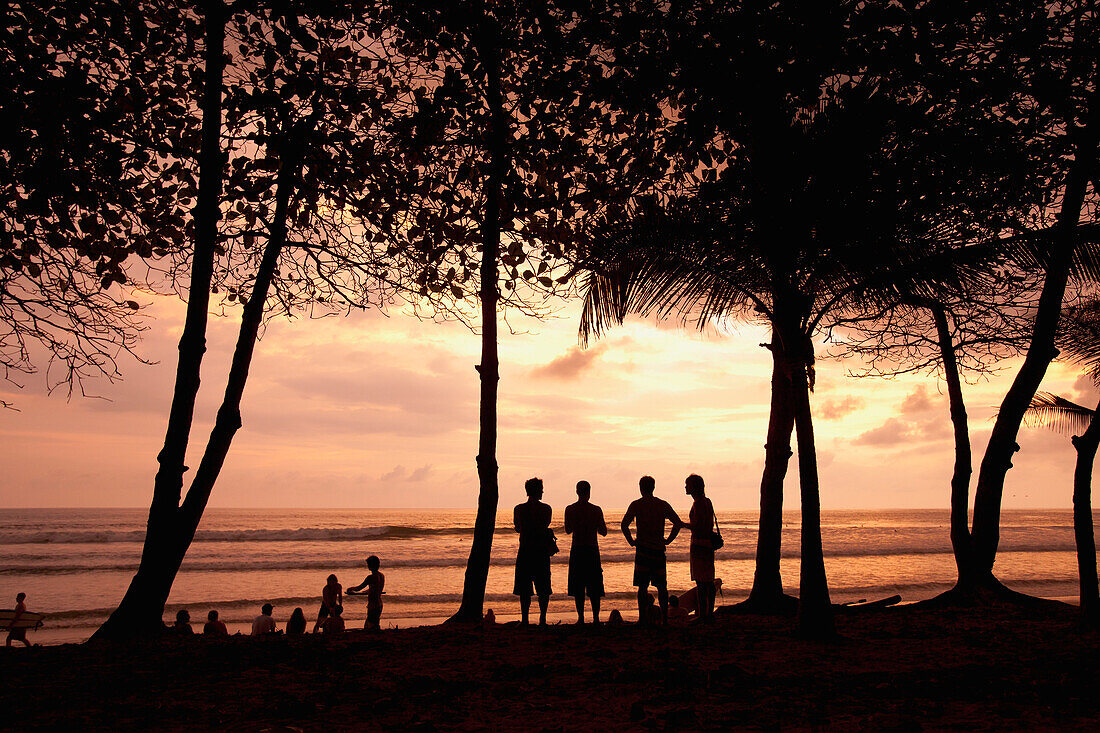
(75, 564)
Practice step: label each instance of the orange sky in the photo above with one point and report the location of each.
(369, 411)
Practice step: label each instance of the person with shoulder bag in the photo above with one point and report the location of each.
(705, 539)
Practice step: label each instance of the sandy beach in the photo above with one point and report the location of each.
(902, 668)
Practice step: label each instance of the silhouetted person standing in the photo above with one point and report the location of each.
(701, 524)
(532, 521)
(584, 520)
(650, 514)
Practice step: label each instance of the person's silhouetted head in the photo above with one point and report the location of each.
(298, 615)
(673, 601)
(646, 484)
(373, 563)
(266, 609)
(693, 485)
(332, 579)
(212, 616)
(19, 597)
(182, 616)
(584, 489)
(533, 487)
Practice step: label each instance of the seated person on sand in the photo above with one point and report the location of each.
(651, 515)
(584, 520)
(214, 627)
(375, 584)
(334, 623)
(182, 626)
(490, 618)
(615, 618)
(532, 520)
(675, 613)
(263, 624)
(296, 626)
(689, 599)
(20, 634)
(332, 595)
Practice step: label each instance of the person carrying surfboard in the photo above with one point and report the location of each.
(16, 632)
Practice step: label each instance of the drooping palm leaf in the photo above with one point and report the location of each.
(1056, 413)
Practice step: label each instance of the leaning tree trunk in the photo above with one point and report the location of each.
(960, 475)
(477, 567)
(1041, 351)
(1083, 534)
(143, 604)
(767, 594)
(815, 610)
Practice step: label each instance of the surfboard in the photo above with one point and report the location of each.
(28, 620)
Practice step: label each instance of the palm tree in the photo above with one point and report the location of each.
(722, 253)
(1080, 340)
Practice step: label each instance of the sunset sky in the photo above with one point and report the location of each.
(375, 411)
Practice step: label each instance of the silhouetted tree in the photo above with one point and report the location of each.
(303, 105)
(1053, 51)
(89, 177)
(974, 332)
(1080, 341)
(501, 151)
(839, 181)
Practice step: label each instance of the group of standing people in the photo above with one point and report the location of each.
(585, 522)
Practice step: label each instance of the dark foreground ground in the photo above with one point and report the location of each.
(900, 669)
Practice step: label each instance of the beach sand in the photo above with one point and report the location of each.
(901, 669)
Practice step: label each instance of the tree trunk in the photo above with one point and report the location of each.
(477, 567)
(1083, 534)
(815, 611)
(767, 594)
(228, 420)
(1041, 351)
(143, 604)
(960, 475)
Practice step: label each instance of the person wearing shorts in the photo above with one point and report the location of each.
(584, 521)
(375, 583)
(701, 524)
(650, 514)
(532, 520)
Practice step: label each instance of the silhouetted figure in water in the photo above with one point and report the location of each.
(650, 514)
(374, 583)
(532, 521)
(214, 627)
(264, 624)
(296, 626)
(182, 626)
(15, 634)
(584, 520)
(332, 595)
(701, 524)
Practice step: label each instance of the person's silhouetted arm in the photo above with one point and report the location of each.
(568, 521)
(356, 588)
(671, 516)
(625, 525)
(602, 526)
(515, 518)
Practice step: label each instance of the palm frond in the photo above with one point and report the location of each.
(1056, 413)
(684, 260)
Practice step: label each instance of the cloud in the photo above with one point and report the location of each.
(570, 365)
(834, 409)
(917, 402)
(892, 432)
(400, 474)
